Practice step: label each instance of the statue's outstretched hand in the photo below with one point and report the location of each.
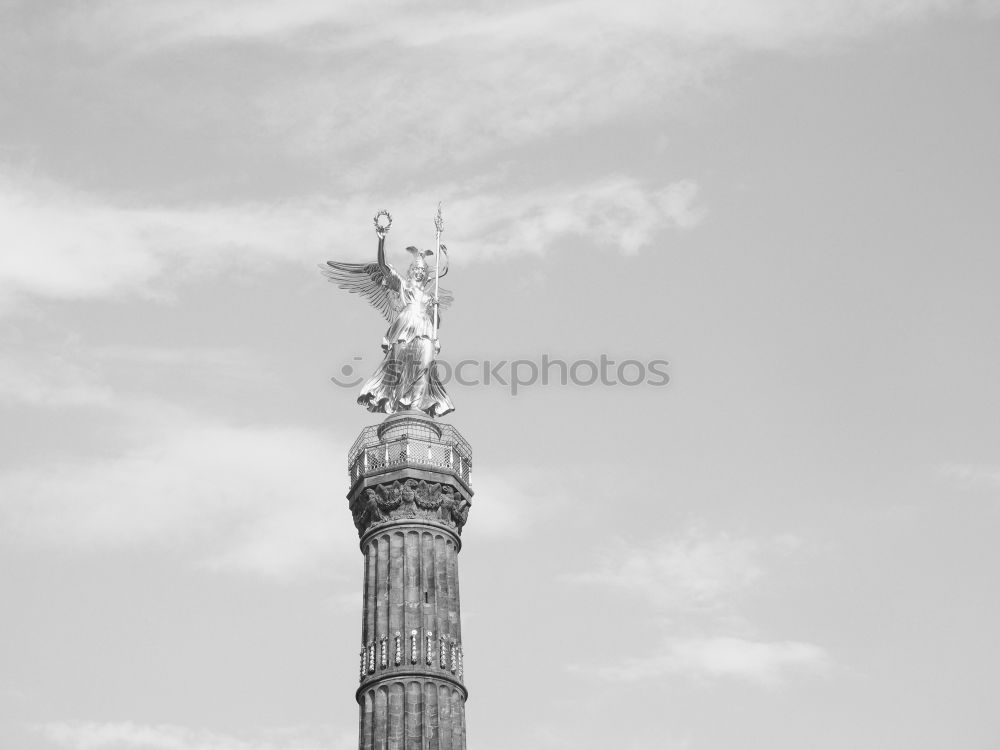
(382, 221)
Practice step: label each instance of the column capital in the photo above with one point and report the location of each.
(410, 496)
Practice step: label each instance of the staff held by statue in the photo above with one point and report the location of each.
(439, 228)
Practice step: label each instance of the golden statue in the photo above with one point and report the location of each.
(406, 378)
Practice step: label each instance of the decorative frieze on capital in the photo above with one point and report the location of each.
(411, 498)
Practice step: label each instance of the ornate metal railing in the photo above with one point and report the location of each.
(409, 443)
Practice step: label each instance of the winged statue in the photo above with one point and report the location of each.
(406, 378)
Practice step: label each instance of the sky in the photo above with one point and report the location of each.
(791, 543)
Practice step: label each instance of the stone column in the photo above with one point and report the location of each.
(410, 498)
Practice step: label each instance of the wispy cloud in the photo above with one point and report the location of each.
(66, 244)
(971, 476)
(164, 24)
(616, 213)
(693, 572)
(50, 380)
(759, 662)
(394, 87)
(514, 502)
(60, 372)
(695, 584)
(243, 498)
(133, 736)
(753, 23)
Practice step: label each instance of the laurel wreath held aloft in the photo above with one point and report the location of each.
(380, 227)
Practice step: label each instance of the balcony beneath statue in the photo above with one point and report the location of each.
(410, 439)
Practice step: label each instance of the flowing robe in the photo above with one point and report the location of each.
(406, 378)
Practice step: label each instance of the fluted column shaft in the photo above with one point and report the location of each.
(411, 630)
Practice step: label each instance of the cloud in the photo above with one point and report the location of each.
(691, 573)
(753, 23)
(513, 503)
(455, 85)
(132, 736)
(459, 103)
(468, 88)
(180, 22)
(50, 380)
(613, 213)
(971, 476)
(253, 499)
(694, 585)
(59, 372)
(759, 662)
(64, 244)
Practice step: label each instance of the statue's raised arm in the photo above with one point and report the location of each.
(406, 378)
(377, 282)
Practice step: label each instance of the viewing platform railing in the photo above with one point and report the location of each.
(409, 441)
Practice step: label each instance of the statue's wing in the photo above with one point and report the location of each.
(366, 279)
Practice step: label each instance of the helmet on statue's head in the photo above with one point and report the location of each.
(418, 268)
